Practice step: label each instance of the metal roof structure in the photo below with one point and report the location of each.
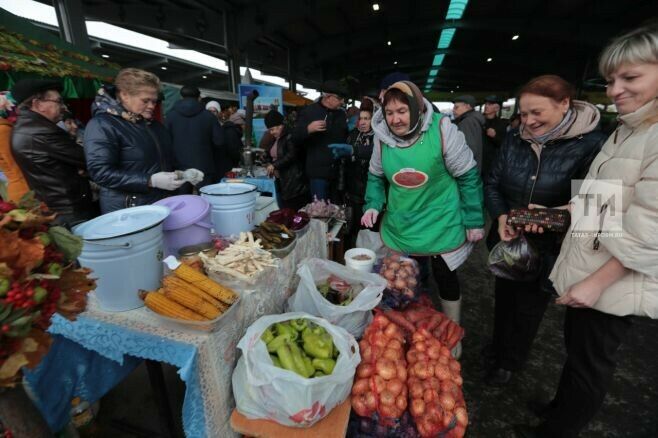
(445, 45)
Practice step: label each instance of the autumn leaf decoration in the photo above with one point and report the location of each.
(38, 277)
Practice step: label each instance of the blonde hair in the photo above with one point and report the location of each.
(133, 80)
(639, 46)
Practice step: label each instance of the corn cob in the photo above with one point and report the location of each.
(192, 302)
(159, 303)
(204, 283)
(173, 282)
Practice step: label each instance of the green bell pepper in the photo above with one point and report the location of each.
(324, 365)
(308, 363)
(298, 360)
(275, 343)
(275, 361)
(319, 374)
(267, 335)
(317, 346)
(282, 328)
(285, 358)
(299, 324)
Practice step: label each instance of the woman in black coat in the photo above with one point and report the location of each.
(128, 153)
(285, 165)
(354, 170)
(555, 144)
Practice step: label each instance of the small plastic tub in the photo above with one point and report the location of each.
(360, 259)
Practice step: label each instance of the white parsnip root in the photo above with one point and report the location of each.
(243, 259)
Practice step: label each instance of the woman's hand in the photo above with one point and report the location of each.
(534, 228)
(369, 218)
(506, 232)
(585, 293)
(475, 234)
(270, 170)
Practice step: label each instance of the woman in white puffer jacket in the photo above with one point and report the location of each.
(607, 270)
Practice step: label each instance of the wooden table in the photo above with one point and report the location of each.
(333, 425)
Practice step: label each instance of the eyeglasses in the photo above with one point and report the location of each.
(59, 101)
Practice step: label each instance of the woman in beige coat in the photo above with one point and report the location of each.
(607, 269)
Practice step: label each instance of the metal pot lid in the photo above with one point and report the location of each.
(228, 189)
(184, 210)
(122, 222)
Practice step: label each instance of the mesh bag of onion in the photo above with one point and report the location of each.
(436, 400)
(402, 276)
(380, 390)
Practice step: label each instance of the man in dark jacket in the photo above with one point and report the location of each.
(285, 165)
(495, 130)
(319, 125)
(471, 123)
(231, 146)
(50, 159)
(195, 137)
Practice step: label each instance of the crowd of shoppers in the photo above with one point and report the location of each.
(423, 179)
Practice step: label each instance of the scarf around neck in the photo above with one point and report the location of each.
(556, 131)
(107, 102)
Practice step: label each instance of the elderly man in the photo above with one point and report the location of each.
(471, 124)
(319, 125)
(50, 159)
(495, 129)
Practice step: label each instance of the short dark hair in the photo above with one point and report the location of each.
(394, 94)
(189, 91)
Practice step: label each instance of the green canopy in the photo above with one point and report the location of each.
(29, 51)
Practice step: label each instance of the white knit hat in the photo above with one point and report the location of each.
(214, 104)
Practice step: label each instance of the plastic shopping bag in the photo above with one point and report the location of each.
(353, 317)
(371, 240)
(264, 391)
(515, 260)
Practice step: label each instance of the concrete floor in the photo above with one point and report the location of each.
(630, 410)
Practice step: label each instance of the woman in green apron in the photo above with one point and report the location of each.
(435, 202)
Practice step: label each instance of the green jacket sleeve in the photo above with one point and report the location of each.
(472, 198)
(375, 193)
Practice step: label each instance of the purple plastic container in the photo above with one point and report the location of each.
(187, 224)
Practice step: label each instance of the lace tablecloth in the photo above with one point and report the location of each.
(205, 360)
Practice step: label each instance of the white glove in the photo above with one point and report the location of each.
(166, 181)
(475, 234)
(193, 176)
(369, 218)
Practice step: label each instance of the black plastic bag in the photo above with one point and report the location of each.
(515, 260)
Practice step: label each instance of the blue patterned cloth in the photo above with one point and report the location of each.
(94, 356)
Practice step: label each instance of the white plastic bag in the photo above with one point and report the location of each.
(354, 317)
(371, 240)
(264, 391)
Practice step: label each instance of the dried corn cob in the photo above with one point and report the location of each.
(204, 283)
(173, 282)
(192, 302)
(159, 303)
(551, 219)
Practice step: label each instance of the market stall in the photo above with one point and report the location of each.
(258, 323)
(205, 360)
